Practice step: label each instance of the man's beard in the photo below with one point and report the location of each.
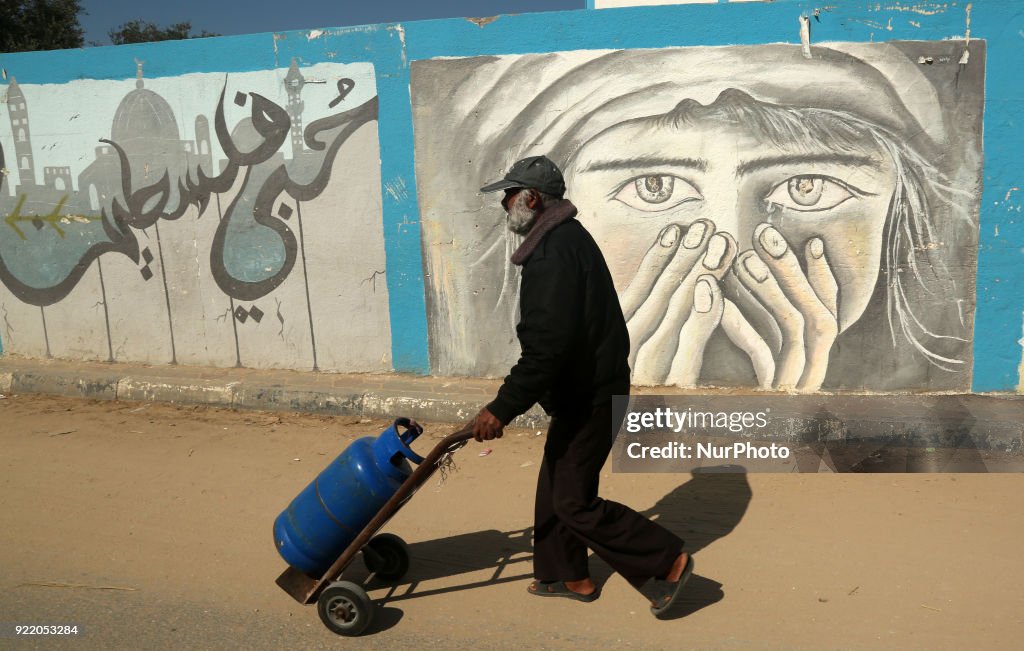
(520, 216)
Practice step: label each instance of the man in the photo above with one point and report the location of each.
(575, 350)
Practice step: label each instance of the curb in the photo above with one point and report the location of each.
(982, 421)
(304, 394)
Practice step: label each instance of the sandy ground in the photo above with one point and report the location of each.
(156, 522)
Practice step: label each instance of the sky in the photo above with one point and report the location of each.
(229, 17)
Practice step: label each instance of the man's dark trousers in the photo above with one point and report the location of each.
(569, 517)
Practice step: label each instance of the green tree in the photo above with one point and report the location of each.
(27, 25)
(142, 31)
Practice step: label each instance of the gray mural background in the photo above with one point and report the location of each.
(904, 264)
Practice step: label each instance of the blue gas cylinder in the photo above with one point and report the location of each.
(329, 513)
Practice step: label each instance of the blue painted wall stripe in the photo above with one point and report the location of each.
(384, 46)
(168, 58)
(1000, 309)
(402, 239)
(666, 26)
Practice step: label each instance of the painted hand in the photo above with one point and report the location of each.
(674, 303)
(803, 326)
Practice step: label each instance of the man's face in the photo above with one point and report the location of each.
(639, 176)
(510, 195)
(519, 214)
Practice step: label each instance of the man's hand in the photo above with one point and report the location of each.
(486, 426)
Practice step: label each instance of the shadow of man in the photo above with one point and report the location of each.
(700, 511)
(703, 509)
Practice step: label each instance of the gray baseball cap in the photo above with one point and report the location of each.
(537, 172)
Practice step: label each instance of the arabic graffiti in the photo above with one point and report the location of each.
(272, 123)
(145, 174)
(143, 207)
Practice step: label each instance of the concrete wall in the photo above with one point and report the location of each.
(788, 197)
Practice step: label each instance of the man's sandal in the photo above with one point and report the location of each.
(559, 589)
(669, 592)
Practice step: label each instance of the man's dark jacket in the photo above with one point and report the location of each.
(575, 346)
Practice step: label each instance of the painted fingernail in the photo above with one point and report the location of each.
(817, 247)
(669, 235)
(694, 235)
(703, 297)
(717, 247)
(756, 268)
(773, 242)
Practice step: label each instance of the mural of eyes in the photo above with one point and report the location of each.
(656, 192)
(811, 193)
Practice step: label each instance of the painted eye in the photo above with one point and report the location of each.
(656, 192)
(655, 189)
(809, 193)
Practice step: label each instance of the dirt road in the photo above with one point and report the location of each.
(154, 522)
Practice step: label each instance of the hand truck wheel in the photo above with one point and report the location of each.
(387, 556)
(345, 608)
